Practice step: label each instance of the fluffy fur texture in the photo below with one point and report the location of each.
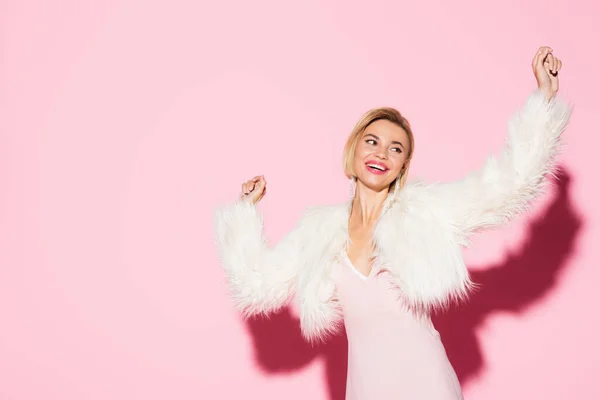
(419, 239)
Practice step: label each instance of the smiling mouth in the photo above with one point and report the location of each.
(376, 168)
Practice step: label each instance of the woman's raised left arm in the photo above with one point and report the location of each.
(506, 185)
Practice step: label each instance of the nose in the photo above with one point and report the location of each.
(381, 154)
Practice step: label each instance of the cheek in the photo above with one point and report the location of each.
(399, 163)
(360, 153)
(361, 150)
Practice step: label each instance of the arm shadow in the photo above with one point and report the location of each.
(280, 348)
(520, 281)
(517, 283)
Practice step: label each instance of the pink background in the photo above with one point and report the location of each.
(123, 123)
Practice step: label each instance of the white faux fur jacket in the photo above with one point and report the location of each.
(419, 239)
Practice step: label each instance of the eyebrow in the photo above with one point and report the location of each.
(377, 137)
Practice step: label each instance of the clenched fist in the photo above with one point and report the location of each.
(545, 68)
(254, 189)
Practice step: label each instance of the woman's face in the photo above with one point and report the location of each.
(380, 154)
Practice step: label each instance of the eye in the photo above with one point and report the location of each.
(397, 149)
(371, 141)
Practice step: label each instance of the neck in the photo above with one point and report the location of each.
(367, 204)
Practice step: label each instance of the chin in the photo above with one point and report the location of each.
(377, 184)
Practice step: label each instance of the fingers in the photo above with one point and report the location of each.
(260, 186)
(545, 68)
(248, 186)
(544, 60)
(552, 65)
(252, 184)
(259, 181)
(556, 66)
(549, 63)
(540, 56)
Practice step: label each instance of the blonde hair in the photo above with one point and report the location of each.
(383, 113)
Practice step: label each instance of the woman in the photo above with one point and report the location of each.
(392, 255)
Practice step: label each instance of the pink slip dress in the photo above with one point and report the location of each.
(392, 353)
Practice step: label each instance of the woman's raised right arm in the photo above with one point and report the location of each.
(261, 278)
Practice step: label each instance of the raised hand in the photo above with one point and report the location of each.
(545, 68)
(254, 189)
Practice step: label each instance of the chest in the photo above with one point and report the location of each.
(419, 252)
(360, 247)
(361, 296)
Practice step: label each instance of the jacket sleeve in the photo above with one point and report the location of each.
(506, 185)
(261, 277)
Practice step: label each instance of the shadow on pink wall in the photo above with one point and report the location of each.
(512, 286)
